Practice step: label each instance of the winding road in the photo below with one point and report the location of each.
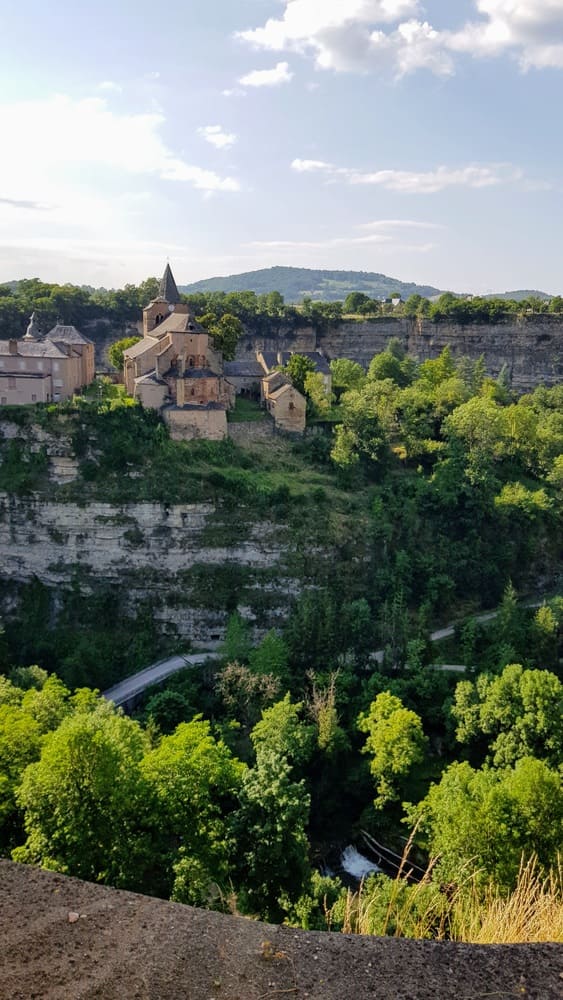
(134, 685)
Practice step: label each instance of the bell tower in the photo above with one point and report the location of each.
(167, 301)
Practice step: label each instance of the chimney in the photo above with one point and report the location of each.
(13, 346)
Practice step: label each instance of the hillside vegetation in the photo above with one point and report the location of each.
(428, 491)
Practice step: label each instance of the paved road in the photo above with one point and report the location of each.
(136, 683)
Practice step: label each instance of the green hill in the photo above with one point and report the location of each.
(295, 283)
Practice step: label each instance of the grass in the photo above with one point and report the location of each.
(246, 411)
(531, 913)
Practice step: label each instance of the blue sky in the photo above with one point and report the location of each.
(420, 139)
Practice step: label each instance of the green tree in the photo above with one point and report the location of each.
(85, 802)
(355, 302)
(317, 394)
(484, 821)
(226, 333)
(346, 374)
(297, 369)
(269, 827)
(195, 780)
(281, 731)
(395, 742)
(520, 713)
(115, 351)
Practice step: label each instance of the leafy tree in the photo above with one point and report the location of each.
(226, 333)
(271, 656)
(395, 742)
(195, 780)
(85, 804)
(237, 643)
(115, 351)
(20, 745)
(167, 709)
(346, 374)
(484, 821)
(520, 713)
(269, 827)
(355, 302)
(317, 394)
(281, 731)
(297, 369)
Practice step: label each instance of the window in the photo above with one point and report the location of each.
(11, 381)
(22, 366)
(55, 366)
(33, 399)
(4, 400)
(40, 365)
(58, 383)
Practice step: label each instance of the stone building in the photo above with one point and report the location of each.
(176, 370)
(269, 361)
(46, 369)
(285, 404)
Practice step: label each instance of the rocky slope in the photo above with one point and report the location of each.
(63, 938)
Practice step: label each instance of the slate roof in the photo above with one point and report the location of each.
(321, 364)
(199, 373)
(270, 359)
(33, 349)
(179, 323)
(195, 406)
(280, 391)
(167, 289)
(151, 377)
(65, 334)
(243, 369)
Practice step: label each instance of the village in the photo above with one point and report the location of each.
(174, 368)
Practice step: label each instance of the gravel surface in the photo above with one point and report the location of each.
(63, 939)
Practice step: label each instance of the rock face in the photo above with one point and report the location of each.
(531, 346)
(190, 563)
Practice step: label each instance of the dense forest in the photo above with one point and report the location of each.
(442, 494)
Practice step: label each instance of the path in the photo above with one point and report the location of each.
(136, 683)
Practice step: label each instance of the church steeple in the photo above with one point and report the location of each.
(167, 289)
(33, 331)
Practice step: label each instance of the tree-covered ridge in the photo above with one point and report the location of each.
(260, 312)
(296, 283)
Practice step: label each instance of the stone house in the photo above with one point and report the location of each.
(270, 360)
(285, 404)
(176, 370)
(46, 369)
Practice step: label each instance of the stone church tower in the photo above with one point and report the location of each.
(166, 302)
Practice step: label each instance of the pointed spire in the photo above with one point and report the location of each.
(167, 288)
(33, 331)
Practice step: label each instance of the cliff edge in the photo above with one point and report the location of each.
(63, 939)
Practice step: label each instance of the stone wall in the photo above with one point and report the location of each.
(249, 431)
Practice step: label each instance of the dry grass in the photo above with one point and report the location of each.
(531, 913)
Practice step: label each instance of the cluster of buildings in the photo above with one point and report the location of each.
(45, 369)
(173, 368)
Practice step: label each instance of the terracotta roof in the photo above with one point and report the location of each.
(167, 289)
(140, 348)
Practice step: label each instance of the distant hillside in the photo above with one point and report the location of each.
(295, 283)
(522, 293)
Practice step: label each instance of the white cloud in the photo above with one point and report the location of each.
(387, 224)
(388, 36)
(234, 92)
(346, 36)
(268, 77)
(417, 182)
(532, 29)
(117, 144)
(217, 137)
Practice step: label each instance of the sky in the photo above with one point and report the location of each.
(418, 138)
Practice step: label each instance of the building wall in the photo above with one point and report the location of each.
(289, 411)
(18, 390)
(151, 394)
(187, 425)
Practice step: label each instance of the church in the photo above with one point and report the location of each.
(175, 369)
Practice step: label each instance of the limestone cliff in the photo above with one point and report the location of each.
(530, 346)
